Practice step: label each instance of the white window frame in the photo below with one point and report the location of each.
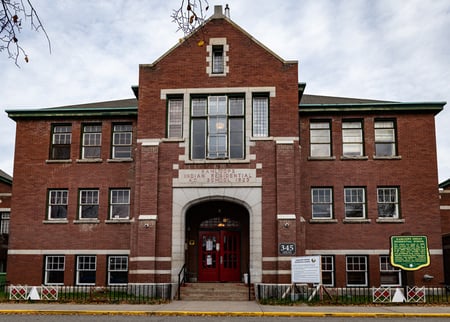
(216, 126)
(352, 139)
(122, 141)
(86, 263)
(88, 198)
(4, 222)
(387, 268)
(385, 135)
(57, 198)
(260, 114)
(320, 139)
(217, 65)
(352, 198)
(117, 267)
(92, 140)
(54, 263)
(390, 199)
(61, 139)
(175, 117)
(327, 262)
(358, 264)
(119, 201)
(319, 199)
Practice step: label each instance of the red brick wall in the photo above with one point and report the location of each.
(34, 176)
(415, 174)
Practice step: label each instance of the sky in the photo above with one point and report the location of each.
(393, 50)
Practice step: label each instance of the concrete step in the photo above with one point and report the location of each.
(216, 292)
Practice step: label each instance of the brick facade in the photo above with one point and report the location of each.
(264, 195)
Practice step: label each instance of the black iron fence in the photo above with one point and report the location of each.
(290, 294)
(132, 294)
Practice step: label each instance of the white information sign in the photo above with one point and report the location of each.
(306, 269)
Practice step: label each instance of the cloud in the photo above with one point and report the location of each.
(384, 49)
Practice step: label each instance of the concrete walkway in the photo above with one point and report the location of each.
(221, 308)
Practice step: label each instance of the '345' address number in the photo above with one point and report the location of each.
(287, 249)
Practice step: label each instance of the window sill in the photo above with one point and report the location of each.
(118, 221)
(218, 161)
(86, 221)
(357, 221)
(59, 161)
(393, 157)
(89, 160)
(321, 158)
(323, 221)
(363, 157)
(261, 138)
(55, 221)
(120, 160)
(390, 221)
(175, 140)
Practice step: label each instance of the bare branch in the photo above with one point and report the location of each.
(12, 12)
(190, 15)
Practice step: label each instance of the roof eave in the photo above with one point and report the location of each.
(428, 107)
(72, 112)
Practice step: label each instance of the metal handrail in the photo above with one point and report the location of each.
(181, 281)
(249, 287)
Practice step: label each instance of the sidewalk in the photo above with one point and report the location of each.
(220, 308)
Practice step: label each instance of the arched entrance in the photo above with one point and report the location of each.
(217, 232)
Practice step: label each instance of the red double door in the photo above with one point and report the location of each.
(219, 256)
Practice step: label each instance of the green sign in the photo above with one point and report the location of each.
(409, 252)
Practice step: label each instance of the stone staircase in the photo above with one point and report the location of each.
(216, 292)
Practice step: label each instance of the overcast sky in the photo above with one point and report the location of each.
(395, 50)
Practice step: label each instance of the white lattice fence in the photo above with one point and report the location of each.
(382, 294)
(25, 292)
(415, 294)
(18, 292)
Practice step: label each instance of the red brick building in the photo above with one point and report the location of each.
(5, 211)
(444, 194)
(224, 165)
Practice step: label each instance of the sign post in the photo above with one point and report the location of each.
(409, 252)
(306, 270)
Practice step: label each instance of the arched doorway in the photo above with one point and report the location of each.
(217, 232)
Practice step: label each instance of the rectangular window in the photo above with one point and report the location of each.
(389, 275)
(86, 270)
(327, 270)
(356, 270)
(260, 116)
(4, 223)
(61, 141)
(122, 141)
(355, 203)
(217, 125)
(57, 204)
(175, 118)
(385, 138)
(120, 204)
(88, 204)
(54, 270)
(352, 139)
(388, 202)
(218, 61)
(92, 141)
(322, 203)
(320, 139)
(117, 270)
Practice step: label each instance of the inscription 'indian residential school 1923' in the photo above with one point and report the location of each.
(217, 176)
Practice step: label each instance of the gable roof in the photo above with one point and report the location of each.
(124, 107)
(218, 14)
(5, 178)
(318, 104)
(445, 184)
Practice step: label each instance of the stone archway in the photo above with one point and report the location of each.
(249, 198)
